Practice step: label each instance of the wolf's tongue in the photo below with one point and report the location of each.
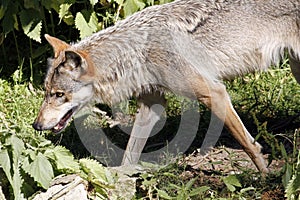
(62, 123)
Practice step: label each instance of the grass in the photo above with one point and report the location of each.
(18, 107)
(268, 103)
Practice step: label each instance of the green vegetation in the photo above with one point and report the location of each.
(268, 103)
(28, 160)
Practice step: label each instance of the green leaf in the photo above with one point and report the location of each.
(287, 175)
(98, 175)
(199, 190)
(17, 146)
(231, 182)
(3, 8)
(132, 6)
(93, 168)
(31, 23)
(41, 170)
(244, 190)
(5, 163)
(11, 166)
(65, 14)
(63, 10)
(35, 33)
(189, 184)
(230, 187)
(163, 194)
(86, 23)
(2, 11)
(170, 174)
(44, 142)
(283, 152)
(26, 164)
(150, 182)
(292, 190)
(63, 158)
(17, 183)
(9, 20)
(175, 186)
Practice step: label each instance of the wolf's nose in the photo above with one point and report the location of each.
(37, 126)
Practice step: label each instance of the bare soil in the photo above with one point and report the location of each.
(222, 161)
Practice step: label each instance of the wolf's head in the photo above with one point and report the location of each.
(68, 85)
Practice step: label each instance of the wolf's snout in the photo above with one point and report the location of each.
(37, 126)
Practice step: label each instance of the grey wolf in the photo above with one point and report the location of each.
(187, 47)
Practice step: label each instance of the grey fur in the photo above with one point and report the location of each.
(235, 37)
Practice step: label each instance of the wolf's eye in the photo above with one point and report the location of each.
(59, 94)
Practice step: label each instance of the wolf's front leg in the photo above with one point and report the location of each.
(150, 110)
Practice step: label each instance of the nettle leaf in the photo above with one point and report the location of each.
(63, 158)
(17, 146)
(132, 6)
(31, 23)
(44, 143)
(11, 165)
(17, 183)
(99, 176)
(5, 163)
(94, 169)
(65, 14)
(35, 33)
(41, 170)
(26, 164)
(12, 175)
(86, 23)
(63, 10)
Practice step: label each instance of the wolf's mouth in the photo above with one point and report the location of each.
(64, 121)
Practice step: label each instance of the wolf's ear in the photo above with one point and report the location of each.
(57, 44)
(73, 60)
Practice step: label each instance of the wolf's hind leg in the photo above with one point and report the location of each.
(149, 112)
(214, 95)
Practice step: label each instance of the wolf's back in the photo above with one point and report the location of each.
(220, 38)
